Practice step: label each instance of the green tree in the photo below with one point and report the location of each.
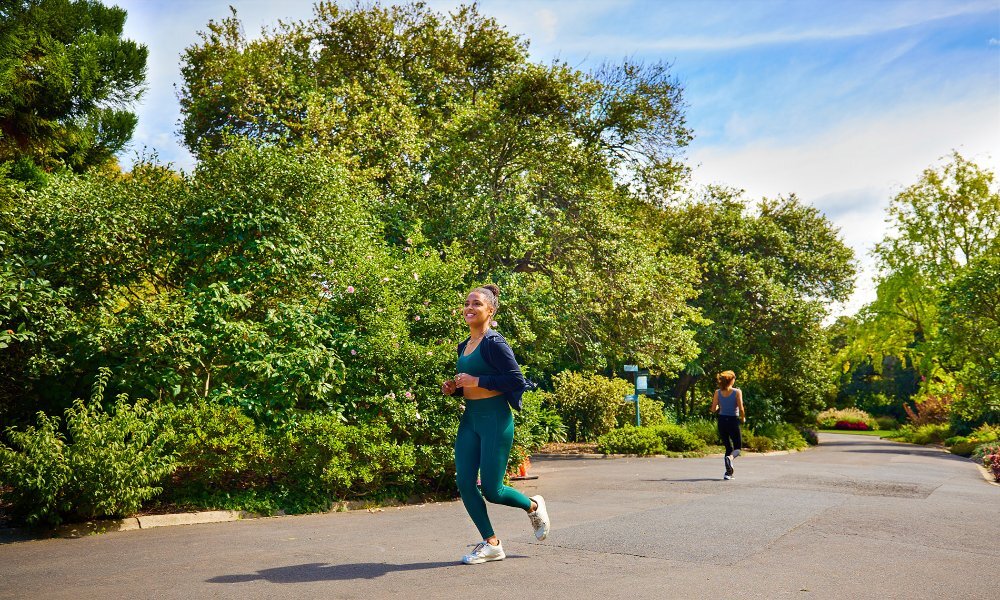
(938, 225)
(539, 173)
(66, 80)
(767, 276)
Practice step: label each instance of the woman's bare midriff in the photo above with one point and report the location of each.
(478, 393)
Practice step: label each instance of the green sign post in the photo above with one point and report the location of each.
(641, 387)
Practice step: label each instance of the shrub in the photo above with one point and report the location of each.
(784, 436)
(677, 439)
(324, 459)
(929, 434)
(707, 430)
(886, 422)
(107, 464)
(650, 413)
(856, 425)
(588, 404)
(983, 450)
(931, 409)
(992, 462)
(833, 418)
(809, 435)
(218, 448)
(757, 443)
(630, 440)
(543, 422)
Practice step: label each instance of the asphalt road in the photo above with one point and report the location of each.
(855, 517)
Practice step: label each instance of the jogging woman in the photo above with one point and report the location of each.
(492, 384)
(728, 402)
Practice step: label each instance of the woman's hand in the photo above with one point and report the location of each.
(448, 387)
(464, 380)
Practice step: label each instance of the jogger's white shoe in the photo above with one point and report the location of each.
(729, 465)
(484, 552)
(539, 518)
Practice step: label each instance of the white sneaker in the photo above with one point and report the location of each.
(539, 519)
(484, 552)
(727, 476)
(729, 465)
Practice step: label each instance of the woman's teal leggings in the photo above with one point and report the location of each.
(482, 447)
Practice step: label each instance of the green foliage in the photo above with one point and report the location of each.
(65, 77)
(217, 447)
(809, 435)
(106, 464)
(923, 434)
(767, 272)
(707, 430)
(886, 422)
(542, 422)
(676, 438)
(757, 443)
(784, 436)
(937, 287)
(650, 413)
(643, 441)
(588, 404)
(324, 459)
(451, 122)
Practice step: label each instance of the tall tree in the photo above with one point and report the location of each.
(67, 78)
(767, 275)
(538, 172)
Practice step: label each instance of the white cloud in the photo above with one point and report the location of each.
(852, 169)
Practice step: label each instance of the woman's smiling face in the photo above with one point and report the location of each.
(477, 309)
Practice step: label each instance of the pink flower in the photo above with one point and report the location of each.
(409, 241)
(416, 318)
(493, 323)
(350, 289)
(429, 353)
(354, 352)
(385, 279)
(409, 395)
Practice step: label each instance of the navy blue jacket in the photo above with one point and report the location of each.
(497, 354)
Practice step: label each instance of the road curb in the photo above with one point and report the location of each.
(78, 530)
(987, 474)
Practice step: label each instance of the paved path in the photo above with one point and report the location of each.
(856, 517)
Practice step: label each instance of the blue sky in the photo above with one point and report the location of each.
(843, 102)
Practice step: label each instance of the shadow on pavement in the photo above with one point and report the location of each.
(326, 572)
(685, 480)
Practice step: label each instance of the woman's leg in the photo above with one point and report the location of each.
(725, 434)
(467, 460)
(497, 438)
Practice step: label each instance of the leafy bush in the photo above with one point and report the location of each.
(707, 430)
(322, 459)
(924, 434)
(107, 464)
(650, 413)
(929, 409)
(544, 423)
(845, 418)
(886, 423)
(992, 462)
(630, 440)
(757, 443)
(218, 448)
(809, 435)
(588, 404)
(677, 439)
(784, 436)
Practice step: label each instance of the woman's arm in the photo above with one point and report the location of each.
(498, 355)
(715, 402)
(739, 403)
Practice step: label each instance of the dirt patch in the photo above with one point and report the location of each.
(569, 448)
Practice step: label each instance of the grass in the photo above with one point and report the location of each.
(852, 432)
